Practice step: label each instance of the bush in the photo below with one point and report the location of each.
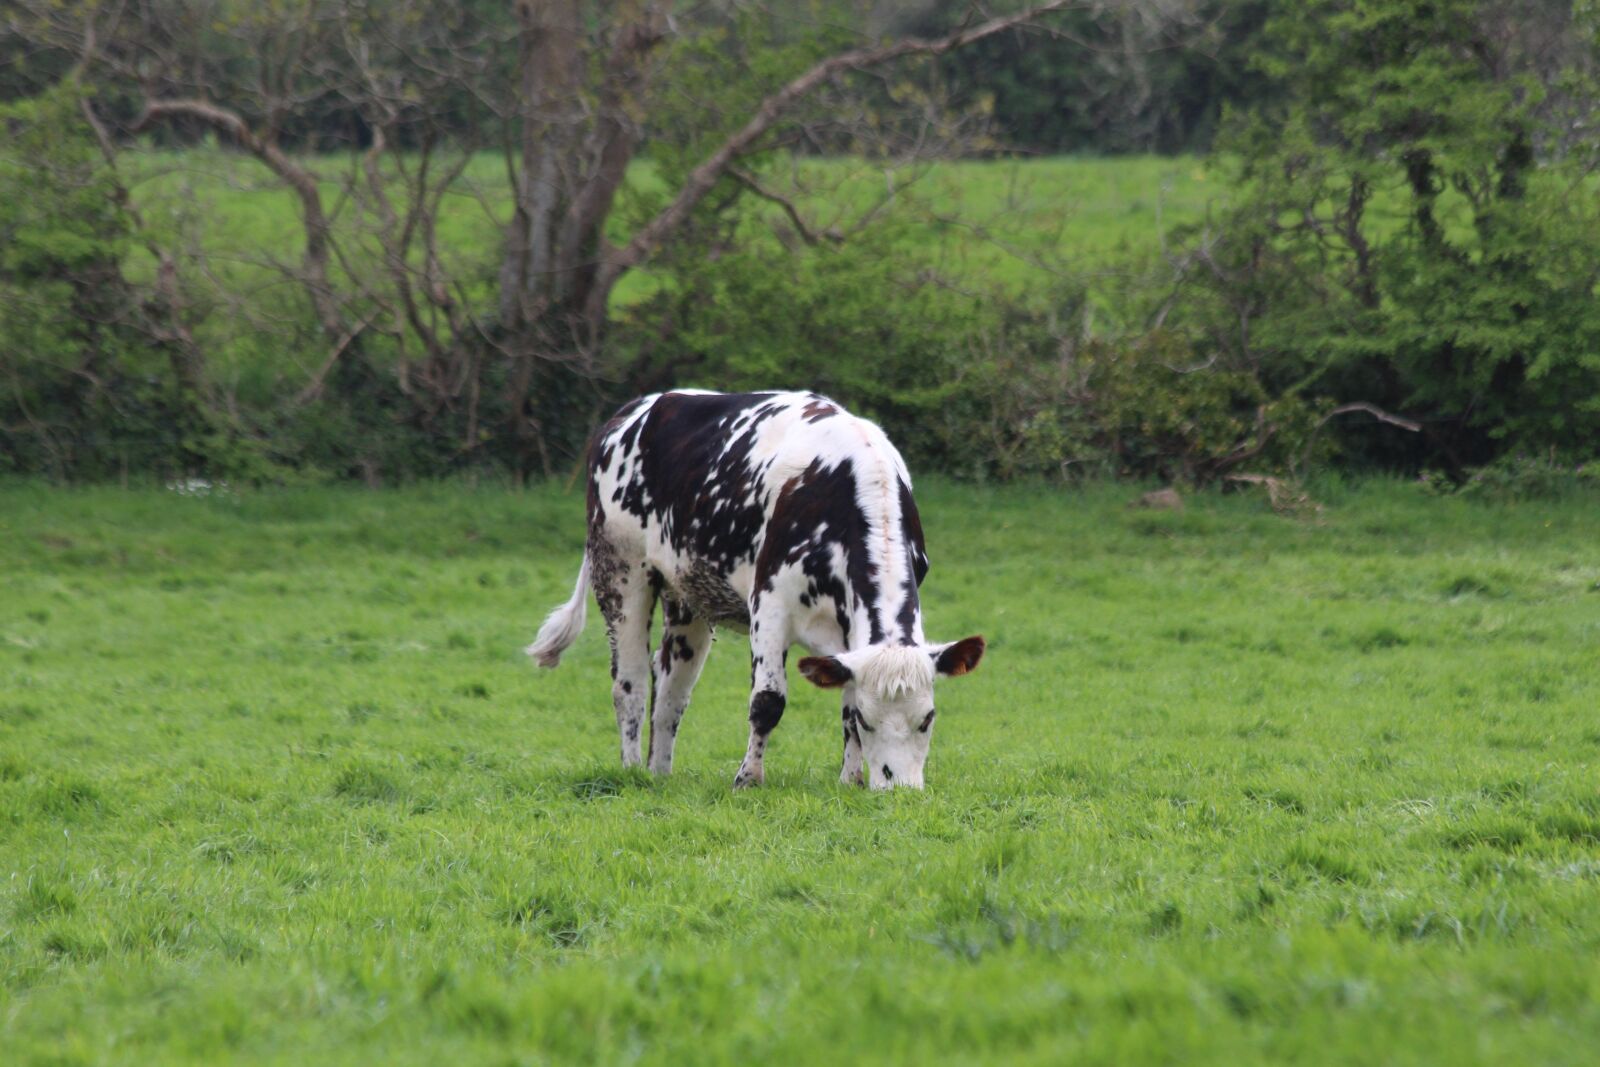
(1521, 476)
(90, 389)
(975, 384)
(1411, 226)
(1141, 407)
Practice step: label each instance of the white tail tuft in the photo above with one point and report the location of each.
(564, 624)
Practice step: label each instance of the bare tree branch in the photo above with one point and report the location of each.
(807, 234)
(1376, 412)
(1346, 409)
(304, 183)
(701, 180)
(313, 388)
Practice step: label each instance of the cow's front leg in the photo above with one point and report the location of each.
(769, 649)
(685, 640)
(850, 772)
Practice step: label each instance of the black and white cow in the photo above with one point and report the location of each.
(778, 514)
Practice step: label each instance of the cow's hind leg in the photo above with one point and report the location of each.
(627, 599)
(685, 640)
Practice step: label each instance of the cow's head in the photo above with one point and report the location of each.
(894, 694)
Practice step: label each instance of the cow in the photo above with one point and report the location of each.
(780, 515)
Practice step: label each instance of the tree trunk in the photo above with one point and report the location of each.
(572, 152)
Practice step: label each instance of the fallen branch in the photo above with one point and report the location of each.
(1283, 497)
(1376, 412)
(1345, 409)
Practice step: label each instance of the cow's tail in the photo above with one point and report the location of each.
(564, 624)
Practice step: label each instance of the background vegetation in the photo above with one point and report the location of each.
(329, 239)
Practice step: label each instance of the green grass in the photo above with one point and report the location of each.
(1079, 207)
(277, 787)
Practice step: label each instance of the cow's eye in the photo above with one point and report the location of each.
(926, 723)
(861, 721)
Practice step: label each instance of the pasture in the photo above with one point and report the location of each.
(277, 786)
(990, 223)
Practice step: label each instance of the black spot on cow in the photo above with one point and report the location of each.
(917, 553)
(677, 611)
(695, 476)
(887, 773)
(814, 512)
(766, 708)
(817, 409)
(627, 686)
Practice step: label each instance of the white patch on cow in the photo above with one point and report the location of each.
(892, 672)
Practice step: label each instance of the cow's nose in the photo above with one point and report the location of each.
(887, 779)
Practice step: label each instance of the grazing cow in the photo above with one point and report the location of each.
(776, 514)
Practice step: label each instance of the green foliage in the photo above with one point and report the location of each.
(276, 786)
(62, 235)
(1411, 227)
(849, 320)
(1523, 476)
(87, 388)
(1109, 79)
(1142, 407)
(965, 381)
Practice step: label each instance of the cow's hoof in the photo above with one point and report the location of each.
(748, 780)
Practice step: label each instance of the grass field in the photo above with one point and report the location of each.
(277, 787)
(1076, 207)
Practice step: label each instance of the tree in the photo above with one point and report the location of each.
(1413, 224)
(569, 91)
(1129, 76)
(580, 124)
(83, 344)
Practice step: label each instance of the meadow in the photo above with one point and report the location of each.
(1092, 207)
(277, 786)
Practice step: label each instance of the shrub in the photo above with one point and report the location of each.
(1412, 225)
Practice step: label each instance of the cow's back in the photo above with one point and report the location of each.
(690, 480)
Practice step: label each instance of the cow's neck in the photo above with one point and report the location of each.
(884, 604)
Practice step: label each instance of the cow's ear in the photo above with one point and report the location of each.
(958, 657)
(825, 671)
